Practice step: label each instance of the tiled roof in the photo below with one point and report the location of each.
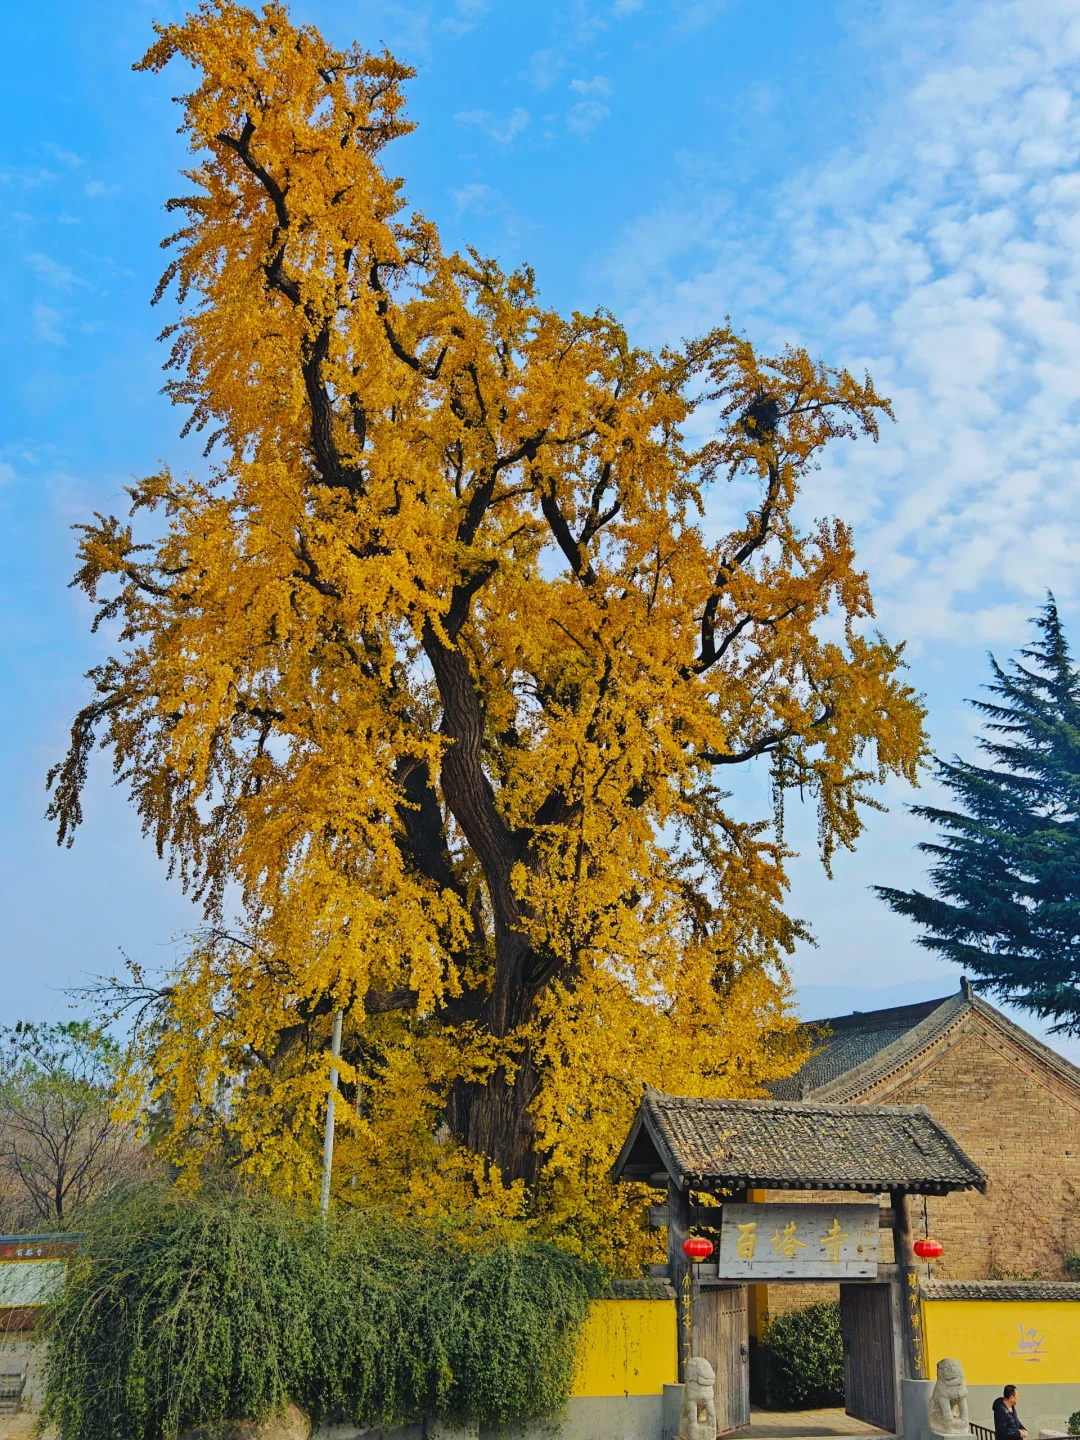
(857, 1052)
(848, 1042)
(796, 1144)
(1000, 1290)
(643, 1289)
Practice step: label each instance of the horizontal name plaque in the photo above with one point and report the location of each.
(804, 1242)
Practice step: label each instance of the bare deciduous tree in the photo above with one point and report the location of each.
(59, 1143)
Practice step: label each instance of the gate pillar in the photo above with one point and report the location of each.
(911, 1336)
(678, 1230)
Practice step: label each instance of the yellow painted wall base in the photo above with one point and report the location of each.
(1005, 1342)
(628, 1347)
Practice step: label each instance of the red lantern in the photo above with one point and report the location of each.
(928, 1249)
(697, 1248)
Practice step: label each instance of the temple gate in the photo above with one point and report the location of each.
(720, 1161)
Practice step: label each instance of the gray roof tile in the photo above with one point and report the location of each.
(857, 1052)
(643, 1289)
(1000, 1290)
(847, 1042)
(797, 1144)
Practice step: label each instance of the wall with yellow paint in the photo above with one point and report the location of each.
(1002, 1342)
(628, 1347)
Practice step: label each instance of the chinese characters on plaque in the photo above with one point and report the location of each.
(812, 1242)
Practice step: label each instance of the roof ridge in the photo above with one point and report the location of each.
(875, 1014)
(891, 1057)
(766, 1102)
(1050, 1058)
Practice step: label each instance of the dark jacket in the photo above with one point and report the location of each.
(1007, 1423)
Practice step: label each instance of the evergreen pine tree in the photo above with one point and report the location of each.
(1006, 867)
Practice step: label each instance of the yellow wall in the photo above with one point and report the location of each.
(628, 1348)
(1005, 1342)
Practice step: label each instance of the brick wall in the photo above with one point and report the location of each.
(782, 1298)
(1021, 1123)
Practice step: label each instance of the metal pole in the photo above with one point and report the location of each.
(328, 1136)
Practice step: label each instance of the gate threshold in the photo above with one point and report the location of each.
(803, 1425)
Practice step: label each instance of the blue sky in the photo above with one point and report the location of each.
(893, 183)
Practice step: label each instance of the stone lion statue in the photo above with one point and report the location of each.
(697, 1418)
(948, 1412)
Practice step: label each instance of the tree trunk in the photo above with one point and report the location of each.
(493, 1120)
(492, 1117)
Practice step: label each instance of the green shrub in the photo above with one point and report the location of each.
(1072, 1266)
(1074, 1423)
(805, 1358)
(186, 1312)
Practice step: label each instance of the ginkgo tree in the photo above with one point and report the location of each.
(441, 667)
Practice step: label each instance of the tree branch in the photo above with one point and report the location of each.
(709, 654)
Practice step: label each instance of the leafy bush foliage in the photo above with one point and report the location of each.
(182, 1312)
(1074, 1423)
(805, 1358)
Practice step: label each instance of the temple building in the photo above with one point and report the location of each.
(1010, 1102)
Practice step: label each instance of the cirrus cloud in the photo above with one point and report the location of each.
(501, 131)
(942, 252)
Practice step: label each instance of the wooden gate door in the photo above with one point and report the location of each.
(720, 1336)
(869, 1366)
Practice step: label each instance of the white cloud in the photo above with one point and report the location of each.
(47, 323)
(622, 8)
(696, 14)
(584, 117)
(404, 28)
(97, 188)
(53, 273)
(468, 15)
(941, 251)
(20, 179)
(544, 68)
(7, 473)
(478, 198)
(598, 85)
(66, 157)
(502, 132)
(590, 111)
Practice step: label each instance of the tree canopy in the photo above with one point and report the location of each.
(442, 665)
(1006, 865)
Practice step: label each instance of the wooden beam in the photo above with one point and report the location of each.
(701, 1217)
(709, 1217)
(708, 1274)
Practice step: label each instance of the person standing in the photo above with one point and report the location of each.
(1007, 1424)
